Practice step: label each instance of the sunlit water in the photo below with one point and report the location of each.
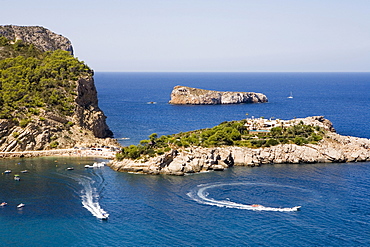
(62, 207)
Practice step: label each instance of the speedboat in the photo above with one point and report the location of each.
(3, 204)
(70, 168)
(16, 177)
(104, 216)
(296, 208)
(7, 171)
(21, 205)
(24, 171)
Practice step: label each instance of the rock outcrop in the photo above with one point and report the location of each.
(42, 38)
(47, 130)
(182, 95)
(333, 148)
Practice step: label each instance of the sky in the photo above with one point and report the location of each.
(206, 35)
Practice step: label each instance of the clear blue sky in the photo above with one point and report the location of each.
(207, 35)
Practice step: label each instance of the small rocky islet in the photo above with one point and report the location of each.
(182, 95)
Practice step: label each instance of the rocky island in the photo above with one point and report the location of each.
(48, 97)
(251, 142)
(182, 95)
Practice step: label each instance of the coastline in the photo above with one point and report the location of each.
(69, 152)
(332, 149)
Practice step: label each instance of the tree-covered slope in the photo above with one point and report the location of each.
(31, 81)
(47, 98)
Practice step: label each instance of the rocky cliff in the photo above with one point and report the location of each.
(333, 148)
(182, 95)
(42, 38)
(43, 126)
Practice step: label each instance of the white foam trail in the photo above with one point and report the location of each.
(201, 196)
(90, 199)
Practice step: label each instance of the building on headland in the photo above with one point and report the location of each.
(263, 125)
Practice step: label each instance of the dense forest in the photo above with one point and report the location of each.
(32, 81)
(232, 133)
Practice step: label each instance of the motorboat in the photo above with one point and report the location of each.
(70, 168)
(3, 204)
(96, 165)
(104, 216)
(24, 171)
(7, 171)
(21, 205)
(16, 177)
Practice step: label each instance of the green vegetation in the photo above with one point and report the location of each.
(31, 80)
(226, 134)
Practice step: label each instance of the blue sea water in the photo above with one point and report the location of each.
(200, 209)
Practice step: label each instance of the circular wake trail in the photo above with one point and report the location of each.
(201, 196)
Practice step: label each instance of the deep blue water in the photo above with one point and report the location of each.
(175, 211)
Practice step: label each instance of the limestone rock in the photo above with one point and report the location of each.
(333, 148)
(42, 38)
(182, 95)
(87, 126)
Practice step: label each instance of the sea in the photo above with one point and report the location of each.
(62, 207)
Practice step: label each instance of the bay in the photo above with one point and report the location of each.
(175, 211)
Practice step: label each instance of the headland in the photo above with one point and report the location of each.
(321, 145)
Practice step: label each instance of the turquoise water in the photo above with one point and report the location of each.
(201, 209)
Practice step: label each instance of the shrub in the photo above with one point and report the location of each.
(23, 123)
(54, 144)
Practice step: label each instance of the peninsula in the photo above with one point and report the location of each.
(249, 142)
(182, 95)
(48, 97)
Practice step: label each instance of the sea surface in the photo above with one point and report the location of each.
(208, 209)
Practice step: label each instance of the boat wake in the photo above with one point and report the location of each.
(201, 195)
(89, 194)
(90, 200)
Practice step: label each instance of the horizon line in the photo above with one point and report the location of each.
(102, 71)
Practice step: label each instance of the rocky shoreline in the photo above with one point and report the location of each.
(69, 152)
(334, 148)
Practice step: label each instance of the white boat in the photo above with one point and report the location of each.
(21, 205)
(7, 171)
(290, 96)
(3, 204)
(24, 171)
(70, 168)
(96, 165)
(17, 178)
(104, 216)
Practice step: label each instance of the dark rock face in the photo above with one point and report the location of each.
(194, 96)
(88, 113)
(42, 38)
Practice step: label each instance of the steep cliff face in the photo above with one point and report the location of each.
(333, 148)
(88, 114)
(42, 38)
(182, 95)
(43, 127)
